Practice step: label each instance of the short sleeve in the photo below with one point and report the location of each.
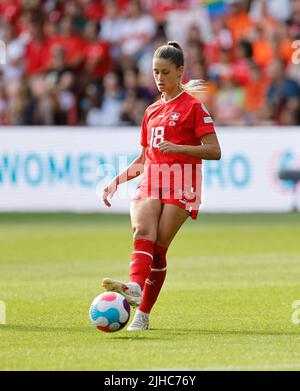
(143, 140)
(203, 121)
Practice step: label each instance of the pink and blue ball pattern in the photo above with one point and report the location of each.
(109, 312)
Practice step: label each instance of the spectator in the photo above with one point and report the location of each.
(229, 102)
(110, 111)
(93, 9)
(193, 56)
(131, 81)
(15, 49)
(242, 62)
(43, 100)
(10, 11)
(263, 51)
(222, 34)
(160, 8)
(283, 95)
(66, 113)
(91, 99)
(71, 41)
(137, 33)
(283, 43)
(294, 21)
(132, 109)
(136, 99)
(263, 18)
(96, 53)
(277, 9)
(178, 22)
(20, 102)
(255, 95)
(111, 28)
(57, 63)
(238, 19)
(222, 40)
(37, 49)
(222, 68)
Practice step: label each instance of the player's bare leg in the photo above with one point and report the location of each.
(144, 218)
(171, 219)
(145, 215)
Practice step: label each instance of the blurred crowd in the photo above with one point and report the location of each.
(89, 62)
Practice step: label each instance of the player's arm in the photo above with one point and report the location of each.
(209, 149)
(135, 169)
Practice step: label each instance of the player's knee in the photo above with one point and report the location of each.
(143, 232)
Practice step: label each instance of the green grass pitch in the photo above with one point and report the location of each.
(226, 303)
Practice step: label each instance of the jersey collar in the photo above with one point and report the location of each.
(175, 97)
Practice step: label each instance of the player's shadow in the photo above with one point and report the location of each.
(225, 332)
(150, 334)
(91, 330)
(46, 329)
(134, 336)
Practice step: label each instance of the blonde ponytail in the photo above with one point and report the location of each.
(194, 87)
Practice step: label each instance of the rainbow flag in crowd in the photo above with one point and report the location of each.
(215, 7)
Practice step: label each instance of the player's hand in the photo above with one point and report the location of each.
(168, 147)
(109, 191)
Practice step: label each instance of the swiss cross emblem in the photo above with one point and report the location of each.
(174, 116)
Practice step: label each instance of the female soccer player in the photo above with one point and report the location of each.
(177, 133)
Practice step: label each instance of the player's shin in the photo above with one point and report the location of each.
(155, 280)
(141, 261)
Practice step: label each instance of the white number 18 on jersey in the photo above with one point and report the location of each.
(157, 136)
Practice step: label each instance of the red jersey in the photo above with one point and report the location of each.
(97, 54)
(181, 120)
(37, 54)
(73, 45)
(10, 10)
(174, 178)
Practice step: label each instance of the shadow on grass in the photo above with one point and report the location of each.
(149, 334)
(90, 330)
(45, 329)
(169, 334)
(138, 338)
(226, 332)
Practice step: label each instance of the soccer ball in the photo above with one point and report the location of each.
(109, 312)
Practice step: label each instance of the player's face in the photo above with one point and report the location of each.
(167, 76)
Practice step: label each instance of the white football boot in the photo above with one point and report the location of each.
(139, 322)
(130, 290)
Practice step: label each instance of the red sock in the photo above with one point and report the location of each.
(141, 261)
(155, 280)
